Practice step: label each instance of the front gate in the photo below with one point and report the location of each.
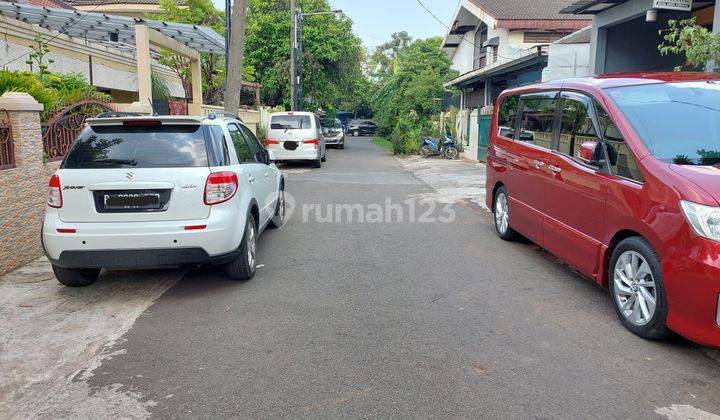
(483, 136)
(60, 132)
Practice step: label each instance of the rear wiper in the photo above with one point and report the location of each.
(131, 162)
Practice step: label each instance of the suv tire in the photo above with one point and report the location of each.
(76, 277)
(317, 163)
(243, 266)
(638, 251)
(279, 219)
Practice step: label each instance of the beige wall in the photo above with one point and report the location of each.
(23, 190)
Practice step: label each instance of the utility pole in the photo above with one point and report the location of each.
(296, 51)
(228, 31)
(293, 55)
(234, 75)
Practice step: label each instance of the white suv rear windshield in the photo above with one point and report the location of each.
(128, 146)
(290, 122)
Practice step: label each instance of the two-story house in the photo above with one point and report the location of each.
(498, 44)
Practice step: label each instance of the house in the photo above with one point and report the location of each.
(498, 44)
(131, 8)
(625, 34)
(569, 56)
(107, 57)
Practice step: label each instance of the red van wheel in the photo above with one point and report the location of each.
(636, 286)
(501, 211)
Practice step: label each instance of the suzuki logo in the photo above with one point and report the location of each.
(130, 176)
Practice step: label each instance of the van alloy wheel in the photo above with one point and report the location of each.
(635, 289)
(502, 213)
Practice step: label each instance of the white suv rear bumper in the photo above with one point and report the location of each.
(142, 244)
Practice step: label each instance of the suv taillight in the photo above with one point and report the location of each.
(220, 187)
(54, 193)
(269, 142)
(315, 142)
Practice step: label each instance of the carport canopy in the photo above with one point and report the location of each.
(104, 28)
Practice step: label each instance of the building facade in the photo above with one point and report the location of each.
(498, 44)
(626, 33)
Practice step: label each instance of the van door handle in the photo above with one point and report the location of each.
(555, 169)
(539, 164)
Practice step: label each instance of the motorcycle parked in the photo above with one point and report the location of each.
(434, 147)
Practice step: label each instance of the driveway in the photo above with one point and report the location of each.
(363, 308)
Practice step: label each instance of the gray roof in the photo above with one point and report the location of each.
(527, 9)
(578, 37)
(106, 28)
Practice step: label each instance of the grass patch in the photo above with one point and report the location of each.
(384, 143)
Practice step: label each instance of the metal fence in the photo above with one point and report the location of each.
(60, 132)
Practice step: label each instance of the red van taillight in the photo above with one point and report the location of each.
(54, 192)
(316, 142)
(220, 187)
(268, 142)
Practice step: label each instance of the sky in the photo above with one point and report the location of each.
(376, 20)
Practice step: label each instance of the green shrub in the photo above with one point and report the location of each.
(15, 81)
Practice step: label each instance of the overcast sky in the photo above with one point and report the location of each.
(376, 20)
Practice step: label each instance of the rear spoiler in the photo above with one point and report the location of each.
(133, 120)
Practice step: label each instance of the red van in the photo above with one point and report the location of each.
(619, 176)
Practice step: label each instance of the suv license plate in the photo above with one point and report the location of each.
(132, 201)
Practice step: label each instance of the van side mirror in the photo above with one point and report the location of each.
(591, 153)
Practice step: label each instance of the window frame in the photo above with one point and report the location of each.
(517, 115)
(211, 146)
(592, 110)
(555, 132)
(250, 137)
(239, 162)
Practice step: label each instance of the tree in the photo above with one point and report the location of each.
(197, 12)
(699, 45)
(411, 93)
(332, 54)
(381, 60)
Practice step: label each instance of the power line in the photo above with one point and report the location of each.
(53, 38)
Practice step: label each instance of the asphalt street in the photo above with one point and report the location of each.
(347, 318)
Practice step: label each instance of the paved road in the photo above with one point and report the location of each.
(398, 320)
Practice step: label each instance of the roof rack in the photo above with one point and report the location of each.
(215, 114)
(117, 114)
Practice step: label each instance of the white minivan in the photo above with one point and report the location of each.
(296, 136)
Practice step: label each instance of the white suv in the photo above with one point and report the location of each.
(161, 191)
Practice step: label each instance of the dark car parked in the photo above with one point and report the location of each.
(362, 128)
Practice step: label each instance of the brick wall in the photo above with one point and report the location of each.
(23, 189)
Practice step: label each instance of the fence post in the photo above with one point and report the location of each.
(23, 188)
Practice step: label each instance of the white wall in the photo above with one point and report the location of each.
(463, 59)
(567, 60)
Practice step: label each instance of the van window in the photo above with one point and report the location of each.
(622, 161)
(538, 118)
(290, 122)
(576, 126)
(244, 153)
(138, 146)
(507, 115)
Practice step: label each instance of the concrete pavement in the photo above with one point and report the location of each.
(401, 319)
